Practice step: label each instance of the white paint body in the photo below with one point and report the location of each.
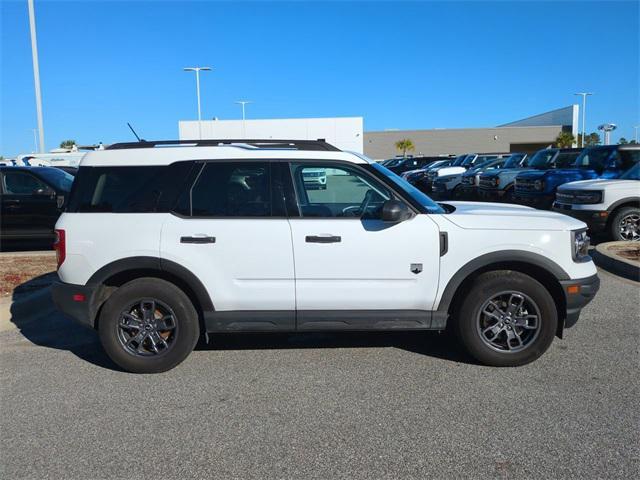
(265, 264)
(613, 191)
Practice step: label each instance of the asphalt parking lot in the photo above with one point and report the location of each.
(327, 406)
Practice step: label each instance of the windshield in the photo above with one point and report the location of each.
(542, 158)
(413, 192)
(60, 179)
(460, 160)
(632, 174)
(595, 157)
(565, 159)
(513, 161)
(495, 163)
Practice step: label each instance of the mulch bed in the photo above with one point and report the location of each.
(24, 274)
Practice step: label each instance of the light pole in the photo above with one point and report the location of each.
(243, 103)
(197, 70)
(635, 133)
(584, 114)
(36, 73)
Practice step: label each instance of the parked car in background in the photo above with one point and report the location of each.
(414, 176)
(315, 178)
(499, 185)
(413, 163)
(611, 206)
(32, 199)
(445, 181)
(424, 183)
(538, 188)
(471, 178)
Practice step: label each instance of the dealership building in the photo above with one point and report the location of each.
(526, 135)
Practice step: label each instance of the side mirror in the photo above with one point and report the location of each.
(394, 211)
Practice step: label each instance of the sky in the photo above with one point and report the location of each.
(400, 65)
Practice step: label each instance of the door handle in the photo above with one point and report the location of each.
(323, 239)
(198, 239)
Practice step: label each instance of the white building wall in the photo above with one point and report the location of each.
(346, 133)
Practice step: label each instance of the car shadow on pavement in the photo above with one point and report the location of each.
(36, 318)
(428, 343)
(52, 329)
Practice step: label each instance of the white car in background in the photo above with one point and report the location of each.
(605, 205)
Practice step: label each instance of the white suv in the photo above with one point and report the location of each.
(610, 205)
(162, 242)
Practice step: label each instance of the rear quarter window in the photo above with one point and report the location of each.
(132, 189)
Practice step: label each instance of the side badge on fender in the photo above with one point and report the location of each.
(416, 268)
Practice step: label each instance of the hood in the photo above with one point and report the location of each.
(449, 170)
(600, 184)
(494, 216)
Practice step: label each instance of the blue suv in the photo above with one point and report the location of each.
(538, 188)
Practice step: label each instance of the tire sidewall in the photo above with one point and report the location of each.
(187, 332)
(485, 287)
(615, 223)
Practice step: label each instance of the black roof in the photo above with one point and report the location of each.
(315, 145)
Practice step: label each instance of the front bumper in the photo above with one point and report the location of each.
(596, 220)
(77, 301)
(578, 293)
(537, 201)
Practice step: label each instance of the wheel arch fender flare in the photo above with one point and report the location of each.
(626, 202)
(505, 259)
(125, 269)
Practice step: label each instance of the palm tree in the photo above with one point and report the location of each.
(565, 140)
(67, 143)
(404, 145)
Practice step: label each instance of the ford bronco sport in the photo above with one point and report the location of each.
(162, 242)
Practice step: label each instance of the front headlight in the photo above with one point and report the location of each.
(538, 185)
(580, 245)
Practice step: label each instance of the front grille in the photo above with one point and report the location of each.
(487, 182)
(525, 185)
(565, 197)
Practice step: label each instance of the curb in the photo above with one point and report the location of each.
(606, 260)
(26, 309)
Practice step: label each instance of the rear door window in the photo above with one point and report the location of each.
(128, 189)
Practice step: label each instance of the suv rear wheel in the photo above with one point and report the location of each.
(148, 325)
(507, 319)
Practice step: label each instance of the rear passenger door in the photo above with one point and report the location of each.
(230, 229)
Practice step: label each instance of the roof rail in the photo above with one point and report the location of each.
(315, 145)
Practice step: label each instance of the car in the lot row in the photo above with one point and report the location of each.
(461, 164)
(414, 176)
(611, 206)
(32, 199)
(499, 184)
(538, 188)
(159, 246)
(414, 163)
(463, 185)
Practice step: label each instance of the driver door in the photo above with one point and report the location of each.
(353, 270)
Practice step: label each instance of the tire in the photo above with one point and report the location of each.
(470, 322)
(161, 326)
(456, 193)
(625, 224)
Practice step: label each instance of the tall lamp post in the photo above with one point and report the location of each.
(36, 73)
(243, 103)
(584, 96)
(635, 133)
(197, 70)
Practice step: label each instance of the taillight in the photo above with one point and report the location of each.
(60, 246)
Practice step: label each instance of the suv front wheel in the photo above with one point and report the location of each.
(148, 325)
(507, 319)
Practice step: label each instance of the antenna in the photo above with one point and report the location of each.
(134, 132)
